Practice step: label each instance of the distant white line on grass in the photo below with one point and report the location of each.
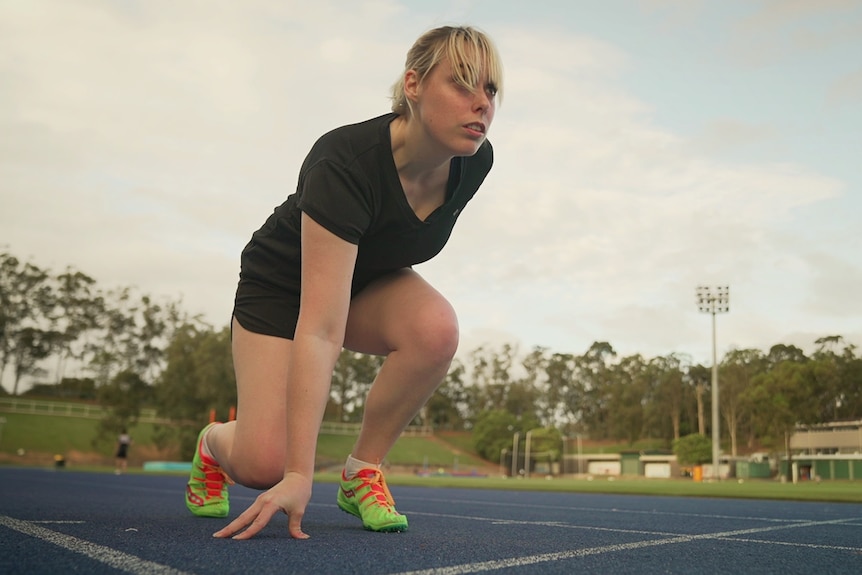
(467, 568)
(106, 555)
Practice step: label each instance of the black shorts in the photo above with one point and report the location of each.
(269, 309)
(266, 309)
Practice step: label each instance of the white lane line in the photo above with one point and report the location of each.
(791, 544)
(603, 510)
(106, 555)
(467, 568)
(559, 524)
(57, 522)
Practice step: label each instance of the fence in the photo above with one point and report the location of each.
(67, 409)
(336, 428)
(148, 415)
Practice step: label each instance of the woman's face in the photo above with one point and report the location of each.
(452, 115)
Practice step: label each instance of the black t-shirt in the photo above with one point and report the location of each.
(349, 184)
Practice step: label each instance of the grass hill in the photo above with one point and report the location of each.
(41, 437)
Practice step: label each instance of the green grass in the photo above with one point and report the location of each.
(460, 440)
(54, 434)
(57, 434)
(834, 491)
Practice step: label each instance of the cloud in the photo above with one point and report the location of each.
(723, 135)
(142, 134)
(589, 193)
(677, 14)
(834, 284)
(778, 12)
(143, 144)
(786, 30)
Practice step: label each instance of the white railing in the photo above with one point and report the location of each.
(148, 415)
(336, 428)
(65, 409)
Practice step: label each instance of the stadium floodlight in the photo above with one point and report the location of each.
(712, 301)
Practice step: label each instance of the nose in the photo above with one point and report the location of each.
(482, 101)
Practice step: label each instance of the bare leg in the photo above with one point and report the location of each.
(251, 450)
(402, 317)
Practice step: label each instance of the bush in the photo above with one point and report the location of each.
(693, 449)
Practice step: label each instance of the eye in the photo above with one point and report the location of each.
(491, 89)
(461, 87)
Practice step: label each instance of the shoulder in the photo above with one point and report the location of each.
(352, 147)
(367, 132)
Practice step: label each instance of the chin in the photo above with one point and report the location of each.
(469, 150)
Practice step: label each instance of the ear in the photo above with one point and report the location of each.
(411, 85)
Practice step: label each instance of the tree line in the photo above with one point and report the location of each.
(129, 350)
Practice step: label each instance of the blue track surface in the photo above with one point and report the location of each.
(61, 521)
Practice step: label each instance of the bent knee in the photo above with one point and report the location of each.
(259, 470)
(437, 332)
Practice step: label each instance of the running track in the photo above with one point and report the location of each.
(62, 521)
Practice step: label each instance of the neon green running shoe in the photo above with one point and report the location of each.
(206, 491)
(366, 496)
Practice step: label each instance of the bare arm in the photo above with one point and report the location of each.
(327, 274)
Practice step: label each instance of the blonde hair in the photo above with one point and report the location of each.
(470, 52)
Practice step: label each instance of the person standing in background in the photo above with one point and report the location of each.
(124, 440)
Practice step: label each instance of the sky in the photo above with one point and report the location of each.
(642, 148)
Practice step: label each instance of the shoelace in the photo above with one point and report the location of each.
(214, 478)
(378, 486)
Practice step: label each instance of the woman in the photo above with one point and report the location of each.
(372, 200)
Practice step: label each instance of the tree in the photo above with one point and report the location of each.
(494, 430)
(532, 388)
(594, 374)
(780, 399)
(68, 388)
(29, 347)
(124, 396)
(491, 378)
(693, 449)
(564, 392)
(849, 396)
(699, 377)
(668, 394)
(76, 313)
(351, 379)
(26, 337)
(735, 374)
(781, 352)
(447, 408)
(626, 397)
(198, 377)
(133, 332)
(838, 373)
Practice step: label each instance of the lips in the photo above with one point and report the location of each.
(476, 127)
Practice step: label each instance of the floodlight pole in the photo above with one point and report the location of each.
(515, 441)
(713, 302)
